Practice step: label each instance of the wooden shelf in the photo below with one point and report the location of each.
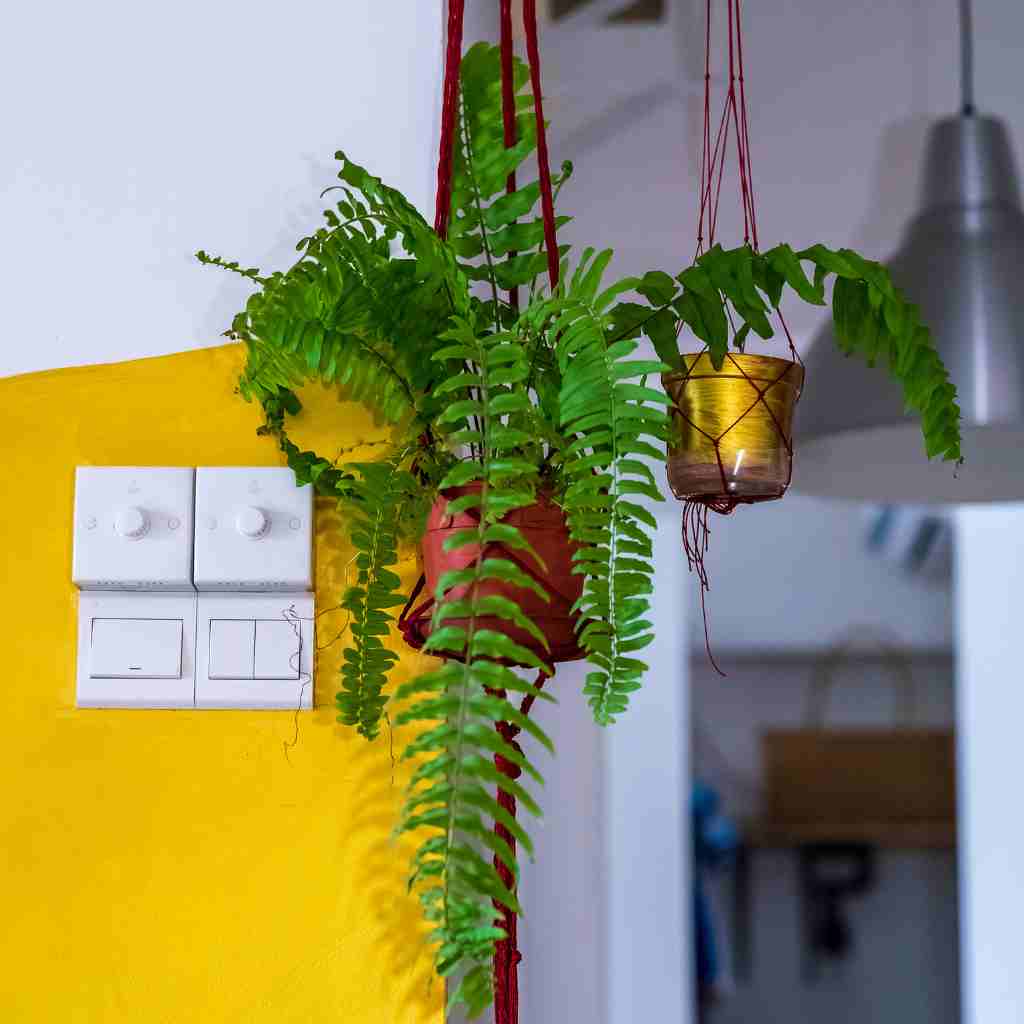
(890, 835)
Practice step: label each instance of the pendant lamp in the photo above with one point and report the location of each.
(962, 261)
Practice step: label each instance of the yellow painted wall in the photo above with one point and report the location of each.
(172, 866)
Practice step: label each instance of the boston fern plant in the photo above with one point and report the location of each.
(504, 403)
(498, 403)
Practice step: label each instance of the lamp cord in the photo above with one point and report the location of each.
(966, 58)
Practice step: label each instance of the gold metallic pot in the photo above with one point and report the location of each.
(732, 428)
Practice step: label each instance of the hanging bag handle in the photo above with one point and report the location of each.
(842, 653)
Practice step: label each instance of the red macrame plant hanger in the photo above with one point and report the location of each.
(414, 622)
(697, 507)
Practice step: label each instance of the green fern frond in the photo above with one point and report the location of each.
(497, 236)
(612, 421)
(375, 506)
(252, 273)
(352, 312)
(459, 704)
(873, 320)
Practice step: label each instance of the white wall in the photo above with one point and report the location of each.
(135, 134)
(647, 799)
(990, 568)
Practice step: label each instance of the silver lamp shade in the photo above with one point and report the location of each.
(962, 261)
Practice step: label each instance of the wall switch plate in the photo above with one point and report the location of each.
(134, 563)
(255, 651)
(133, 528)
(253, 530)
(136, 650)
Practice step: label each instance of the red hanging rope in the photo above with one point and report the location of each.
(547, 202)
(506, 952)
(449, 117)
(696, 531)
(745, 126)
(734, 119)
(508, 107)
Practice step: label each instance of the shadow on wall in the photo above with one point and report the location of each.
(897, 180)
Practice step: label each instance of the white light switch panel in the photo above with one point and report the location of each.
(133, 528)
(136, 650)
(144, 539)
(253, 530)
(255, 651)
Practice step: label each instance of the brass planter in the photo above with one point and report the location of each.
(732, 428)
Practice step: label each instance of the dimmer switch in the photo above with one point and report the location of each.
(254, 530)
(133, 528)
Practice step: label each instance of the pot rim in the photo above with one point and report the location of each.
(784, 372)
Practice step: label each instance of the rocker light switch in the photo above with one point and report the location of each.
(278, 649)
(255, 651)
(136, 650)
(232, 642)
(126, 648)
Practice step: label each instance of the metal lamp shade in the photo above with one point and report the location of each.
(962, 261)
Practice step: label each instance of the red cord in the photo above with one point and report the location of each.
(746, 127)
(734, 117)
(547, 201)
(449, 116)
(506, 951)
(508, 107)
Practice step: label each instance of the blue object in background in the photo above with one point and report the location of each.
(714, 840)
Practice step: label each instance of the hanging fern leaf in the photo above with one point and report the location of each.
(873, 320)
(498, 236)
(375, 508)
(349, 313)
(613, 422)
(460, 703)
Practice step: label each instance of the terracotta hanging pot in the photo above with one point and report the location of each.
(544, 527)
(733, 428)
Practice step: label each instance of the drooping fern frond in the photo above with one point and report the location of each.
(450, 796)
(497, 236)
(350, 312)
(873, 319)
(375, 506)
(611, 420)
